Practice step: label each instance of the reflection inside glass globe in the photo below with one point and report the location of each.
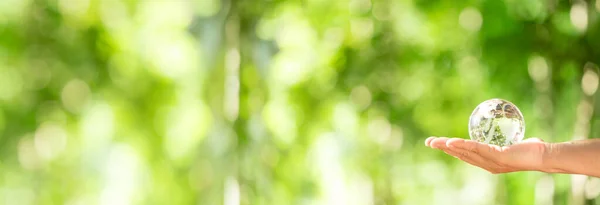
(497, 122)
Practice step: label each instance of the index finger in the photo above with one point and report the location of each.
(473, 146)
(438, 143)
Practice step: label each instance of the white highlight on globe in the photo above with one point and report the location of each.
(497, 122)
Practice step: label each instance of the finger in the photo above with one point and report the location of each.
(533, 139)
(492, 160)
(462, 144)
(460, 153)
(485, 150)
(474, 159)
(466, 156)
(454, 153)
(456, 142)
(438, 143)
(428, 140)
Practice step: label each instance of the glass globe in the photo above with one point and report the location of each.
(497, 122)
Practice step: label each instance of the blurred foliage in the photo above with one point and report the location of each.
(284, 102)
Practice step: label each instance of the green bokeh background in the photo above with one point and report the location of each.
(285, 102)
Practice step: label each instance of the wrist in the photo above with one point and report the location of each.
(549, 155)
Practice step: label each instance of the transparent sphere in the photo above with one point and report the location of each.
(497, 122)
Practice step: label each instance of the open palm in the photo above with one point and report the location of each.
(525, 156)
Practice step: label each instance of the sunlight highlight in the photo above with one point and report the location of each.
(50, 140)
(544, 190)
(579, 16)
(75, 95)
(589, 82)
(470, 19)
(232, 192)
(97, 126)
(538, 68)
(121, 176)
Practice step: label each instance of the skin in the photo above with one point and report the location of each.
(575, 157)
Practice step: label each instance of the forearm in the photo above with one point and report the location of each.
(576, 157)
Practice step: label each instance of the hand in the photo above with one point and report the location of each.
(527, 155)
